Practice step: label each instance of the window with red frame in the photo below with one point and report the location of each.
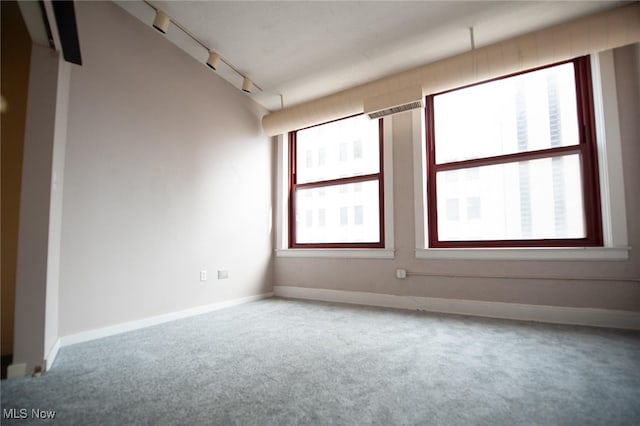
(512, 162)
(336, 194)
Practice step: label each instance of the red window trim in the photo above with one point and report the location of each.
(589, 161)
(294, 186)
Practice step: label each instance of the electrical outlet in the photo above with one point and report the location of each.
(203, 275)
(401, 274)
(223, 274)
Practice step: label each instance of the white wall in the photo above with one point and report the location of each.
(167, 173)
(377, 276)
(627, 62)
(55, 207)
(33, 301)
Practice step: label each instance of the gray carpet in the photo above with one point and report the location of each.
(291, 362)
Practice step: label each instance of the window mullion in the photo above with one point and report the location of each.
(511, 158)
(339, 181)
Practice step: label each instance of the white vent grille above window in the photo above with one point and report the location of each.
(395, 110)
(393, 103)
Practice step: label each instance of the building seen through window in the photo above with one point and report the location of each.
(514, 160)
(336, 174)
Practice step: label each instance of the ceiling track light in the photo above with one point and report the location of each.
(247, 85)
(214, 60)
(161, 21)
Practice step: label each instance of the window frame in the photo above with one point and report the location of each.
(293, 186)
(586, 148)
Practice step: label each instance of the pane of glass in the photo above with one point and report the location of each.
(526, 112)
(349, 147)
(534, 199)
(343, 214)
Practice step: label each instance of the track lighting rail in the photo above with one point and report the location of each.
(161, 24)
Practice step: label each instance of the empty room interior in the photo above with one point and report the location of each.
(352, 212)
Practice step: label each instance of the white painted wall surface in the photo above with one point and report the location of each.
(55, 207)
(34, 228)
(167, 173)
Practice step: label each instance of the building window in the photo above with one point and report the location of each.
(526, 146)
(321, 217)
(343, 151)
(357, 149)
(338, 185)
(321, 157)
(474, 208)
(309, 159)
(453, 209)
(358, 215)
(344, 216)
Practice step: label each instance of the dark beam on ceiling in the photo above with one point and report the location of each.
(67, 30)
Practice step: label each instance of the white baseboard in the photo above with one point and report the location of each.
(16, 370)
(51, 356)
(88, 335)
(20, 370)
(514, 311)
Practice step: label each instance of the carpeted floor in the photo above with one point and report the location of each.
(283, 362)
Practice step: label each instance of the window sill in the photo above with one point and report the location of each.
(529, 253)
(338, 253)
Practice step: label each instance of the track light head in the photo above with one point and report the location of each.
(214, 60)
(247, 85)
(161, 21)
